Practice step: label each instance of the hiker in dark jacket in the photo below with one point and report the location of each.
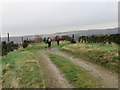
(57, 38)
(45, 39)
(49, 42)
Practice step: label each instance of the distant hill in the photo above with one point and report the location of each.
(90, 32)
(77, 33)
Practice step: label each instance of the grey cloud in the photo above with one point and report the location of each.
(30, 18)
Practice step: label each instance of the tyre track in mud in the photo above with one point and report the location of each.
(108, 78)
(51, 74)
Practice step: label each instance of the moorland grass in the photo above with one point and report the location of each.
(101, 46)
(21, 70)
(42, 46)
(36, 46)
(76, 75)
(98, 53)
(104, 55)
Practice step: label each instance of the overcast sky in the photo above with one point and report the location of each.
(29, 18)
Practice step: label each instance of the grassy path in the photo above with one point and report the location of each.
(108, 78)
(39, 67)
(52, 76)
(77, 75)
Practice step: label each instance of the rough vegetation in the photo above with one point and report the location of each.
(21, 70)
(104, 55)
(78, 76)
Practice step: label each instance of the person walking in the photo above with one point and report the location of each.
(45, 40)
(49, 42)
(57, 38)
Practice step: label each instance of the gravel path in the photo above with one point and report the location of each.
(51, 74)
(108, 78)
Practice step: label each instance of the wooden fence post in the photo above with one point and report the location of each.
(8, 37)
(73, 36)
(22, 40)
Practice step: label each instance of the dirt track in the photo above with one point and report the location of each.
(52, 76)
(108, 78)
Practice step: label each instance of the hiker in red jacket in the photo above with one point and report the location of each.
(57, 38)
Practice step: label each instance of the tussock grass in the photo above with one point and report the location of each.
(76, 75)
(21, 70)
(62, 43)
(43, 46)
(36, 46)
(104, 55)
(101, 46)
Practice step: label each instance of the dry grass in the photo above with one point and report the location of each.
(15, 83)
(107, 57)
(21, 70)
(31, 61)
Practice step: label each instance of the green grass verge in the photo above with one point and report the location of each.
(62, 43)
(101, 46)
(21, 70)
(76, 75)
(41, 46)
(36, 46)
(104, 55)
